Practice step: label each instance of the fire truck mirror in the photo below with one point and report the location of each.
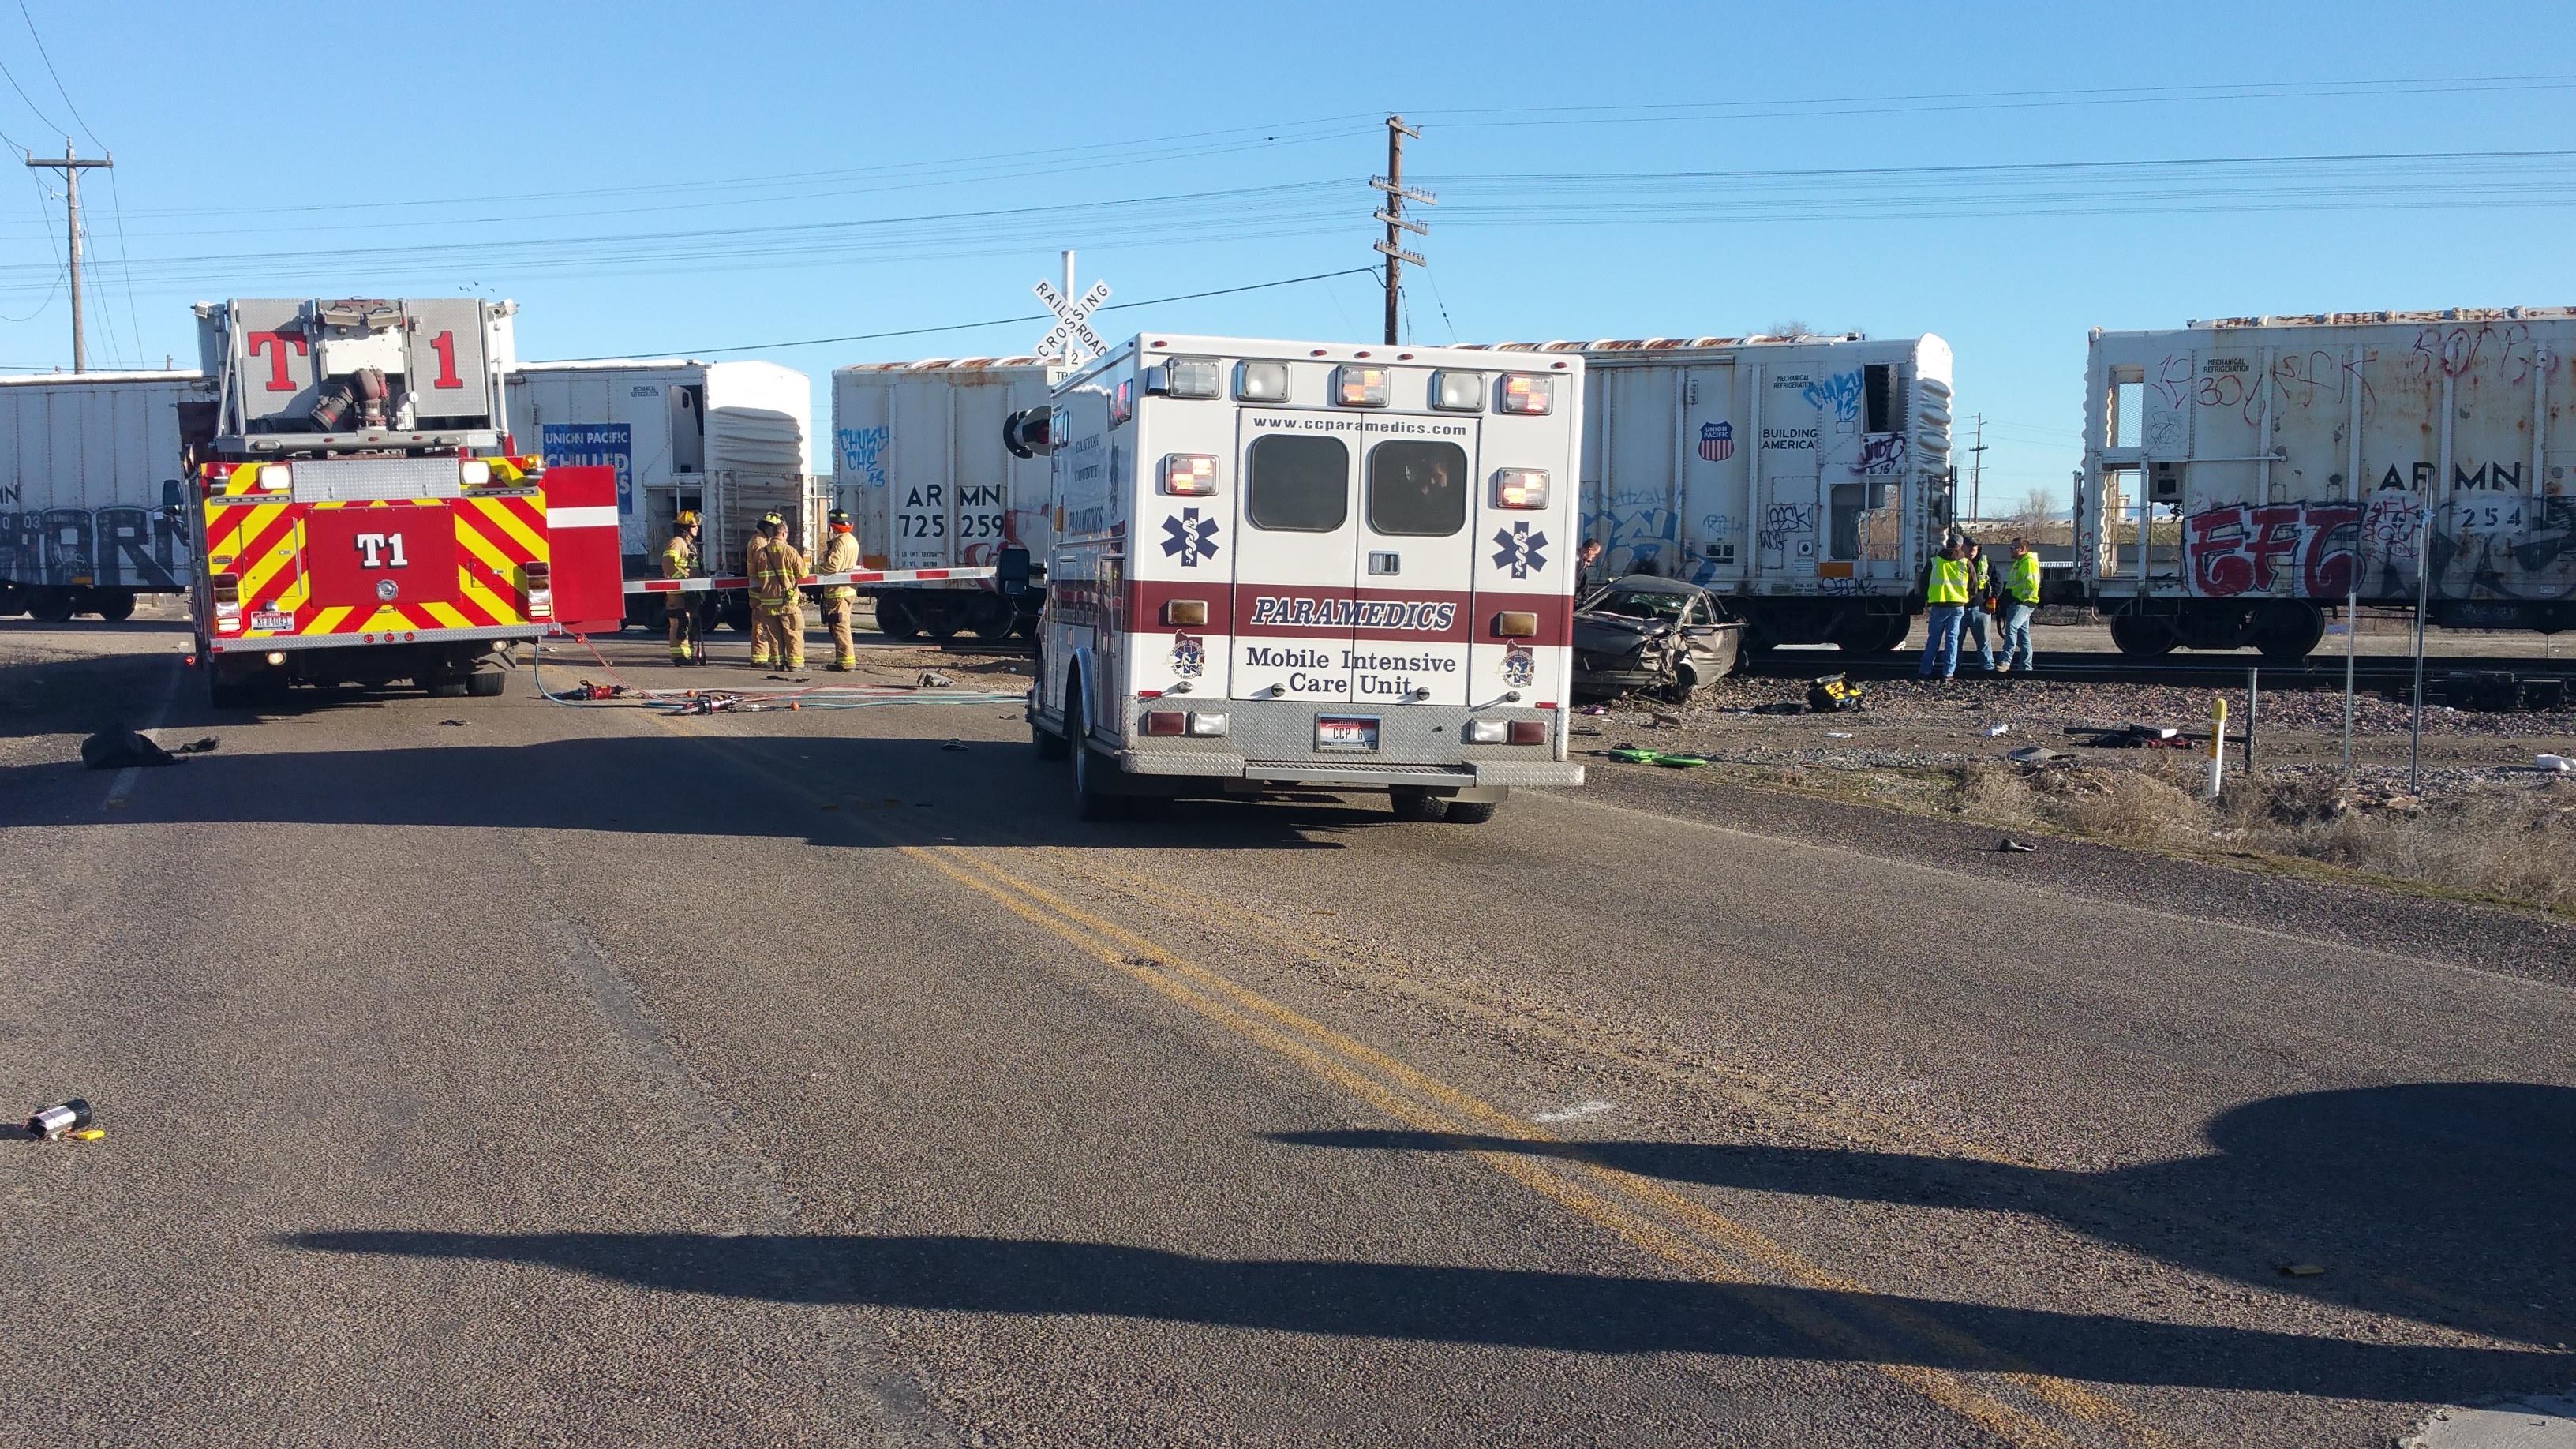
(1027, 433)
(1011, 571)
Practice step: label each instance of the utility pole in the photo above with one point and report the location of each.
(72, 166)
(1392, 183)
(1977, 473)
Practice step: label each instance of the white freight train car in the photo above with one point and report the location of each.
(724, 440)
(918, 461)
(89, 465)
(2283, 464)
(1805, 479)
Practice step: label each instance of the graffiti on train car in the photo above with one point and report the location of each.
(116, 547)
(2482, 545)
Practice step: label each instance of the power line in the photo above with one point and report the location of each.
(68, 102)
(970, 326)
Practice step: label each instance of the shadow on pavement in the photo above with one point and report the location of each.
(1512, 1308)
(2451, 1203)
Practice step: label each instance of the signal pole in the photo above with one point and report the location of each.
(1397, 194)
(72, 166)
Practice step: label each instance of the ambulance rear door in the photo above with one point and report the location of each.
(1296, 553)
(1417, 561)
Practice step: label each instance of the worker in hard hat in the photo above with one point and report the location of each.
(777, 620)
(680, 610)
(840, 601)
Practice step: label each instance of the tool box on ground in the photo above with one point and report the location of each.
(1832, 694)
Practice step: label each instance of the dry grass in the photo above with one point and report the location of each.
(2512, 843)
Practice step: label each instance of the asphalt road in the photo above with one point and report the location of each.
(578, 1075)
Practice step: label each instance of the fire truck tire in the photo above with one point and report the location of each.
(989, 616)
(49, 606)
(487, 685)
(114, 605)
(444, 686)
(1471, 812)
(894, 617)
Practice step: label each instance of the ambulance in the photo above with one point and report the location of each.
(1287, 564)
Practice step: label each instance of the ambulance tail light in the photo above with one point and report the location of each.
(225, 592)
(540, 588)
(1185, 613)
(1359, 387)
(1524, 488)
(1189, 475)
(1484, 731)
(1516, 624)
(1528, 396)
(1185, 377)
(1529, 732)
(1208, 726)
(1166, 722)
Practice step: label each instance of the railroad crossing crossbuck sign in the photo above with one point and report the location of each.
(1072, 340)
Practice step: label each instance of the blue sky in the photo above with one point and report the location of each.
(652, 178)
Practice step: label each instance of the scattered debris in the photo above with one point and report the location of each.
(117, 747)
(1633, 755)
(1586, 1108)
(790, 678)
(1666, 721)
(2554, 764)
(86, 1134)
(206, 746)
(2301, 1270)
(52, 1122)
(458, 723)
(954, 744)
(1997, 731)
(2037, 755)
(1832, 694)
(933, 679)
(1594, 709)
(1838, 734)
(2014, 847)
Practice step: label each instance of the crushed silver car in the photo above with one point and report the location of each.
(1648, 635)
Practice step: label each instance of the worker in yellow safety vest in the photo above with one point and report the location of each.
(840, 556)
(1945, 599)
(2021, 600)
(680, 610)
(1981, 602)
(777, 618)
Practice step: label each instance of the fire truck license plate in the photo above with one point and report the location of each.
(1346, 734)
(272, 623)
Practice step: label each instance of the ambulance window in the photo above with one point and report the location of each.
(1418, 489)
(1298, 485)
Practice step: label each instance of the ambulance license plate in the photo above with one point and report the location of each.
(1345, 734)
(272, 623)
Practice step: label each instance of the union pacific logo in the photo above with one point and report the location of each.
(1404, 615)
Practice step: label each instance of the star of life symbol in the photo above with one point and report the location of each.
(1517, 549)
(1072, 341)
(1520, 666)
(1189, 538)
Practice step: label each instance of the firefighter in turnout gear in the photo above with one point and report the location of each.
(680, 561)
(777, 620)
(840, 556)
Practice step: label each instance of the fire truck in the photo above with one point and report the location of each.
(358, 517)
(1282, 564)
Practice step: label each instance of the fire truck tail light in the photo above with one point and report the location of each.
(474, 472)
(274, 477)
(1166, 722)
(1516, 624)
(1529, 732)
(541, 590)
(1359, 387)
(1189, 475)
(1529, 396)
(1261, 382)
(1520, 488)
(1484, 731)
(1208, 726)
(224, 590)
(1458, 392)
(1185, 613)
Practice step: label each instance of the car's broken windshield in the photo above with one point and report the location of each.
(1641, 605)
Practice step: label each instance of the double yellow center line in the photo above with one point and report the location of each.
(1639, 1211)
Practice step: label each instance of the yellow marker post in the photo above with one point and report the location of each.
(2217, 743)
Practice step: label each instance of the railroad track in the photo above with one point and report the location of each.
(2318, 671)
